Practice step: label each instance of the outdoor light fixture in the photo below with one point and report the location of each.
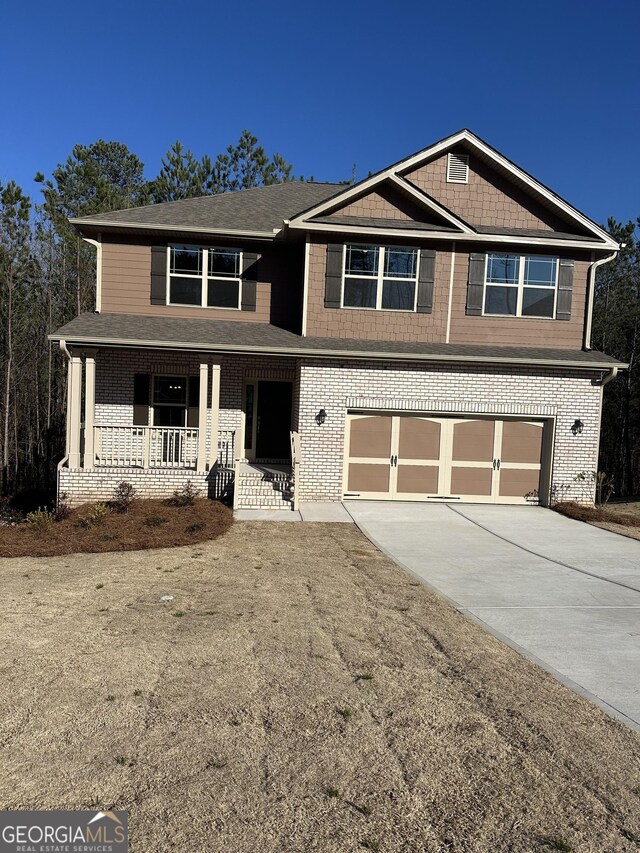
(321, 417)
(577, 427)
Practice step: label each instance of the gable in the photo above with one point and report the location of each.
(489, 199)
(387, 203)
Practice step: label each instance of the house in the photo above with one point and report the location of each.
(421, 335)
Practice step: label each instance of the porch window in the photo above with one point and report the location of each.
(380, 277)
(521, 285)
(206, 277)
(169, 401)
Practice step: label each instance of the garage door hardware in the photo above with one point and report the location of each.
(496, 464)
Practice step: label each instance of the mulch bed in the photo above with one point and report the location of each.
(146, 524)
(598, 515)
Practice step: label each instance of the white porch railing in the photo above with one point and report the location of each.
(146, 447)
(295, 466)
(226, 447)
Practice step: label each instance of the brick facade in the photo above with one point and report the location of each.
(541, 392)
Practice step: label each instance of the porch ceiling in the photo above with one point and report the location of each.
(227, 336)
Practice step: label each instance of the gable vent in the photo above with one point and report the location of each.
(458, 169)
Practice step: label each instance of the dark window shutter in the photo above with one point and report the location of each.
(249, 281)
(141, 387)
(194, 401)
(565, 289)
(333, 276)
(426, 278)
(158, 275)
(475, 284)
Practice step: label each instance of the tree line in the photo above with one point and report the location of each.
(47, 276)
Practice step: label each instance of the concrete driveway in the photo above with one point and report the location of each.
(564, 593)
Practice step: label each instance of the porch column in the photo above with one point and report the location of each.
(202, 416)
(74, 408)
(215, 412)
(89, 407)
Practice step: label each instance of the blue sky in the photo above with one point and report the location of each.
(553, 85)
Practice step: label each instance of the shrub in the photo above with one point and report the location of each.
(185, 495)
(599, 481)
(155, 521)
(95, 515)
(123, 496)
(63, 507)
(39, 520)
(195, 528)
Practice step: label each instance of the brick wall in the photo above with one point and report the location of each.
(426, 388)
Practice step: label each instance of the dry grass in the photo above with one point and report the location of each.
(619, 517)
(147, 524)
(311, 697)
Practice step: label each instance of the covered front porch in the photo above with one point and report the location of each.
(159, 417)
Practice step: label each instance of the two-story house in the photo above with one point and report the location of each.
(421, 335)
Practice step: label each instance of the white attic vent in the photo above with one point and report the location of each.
(458, 169)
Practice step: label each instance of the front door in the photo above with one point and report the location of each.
(273, 421)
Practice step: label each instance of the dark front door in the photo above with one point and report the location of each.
(274, 421)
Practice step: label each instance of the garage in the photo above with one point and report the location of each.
(411, 457)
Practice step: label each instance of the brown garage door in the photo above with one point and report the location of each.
(409, 457)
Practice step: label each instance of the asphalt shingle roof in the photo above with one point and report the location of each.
(240, 336)
(255, 209)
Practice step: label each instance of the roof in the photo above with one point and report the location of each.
(127, 330)
(259, 209)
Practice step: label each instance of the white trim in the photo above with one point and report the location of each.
(204, 277)
(471, 139)
(451, 279)
(407, 186)
(415, 234)
(379, 278)
(98, 246)
(520, 287)
(177, 229)
(305, 284)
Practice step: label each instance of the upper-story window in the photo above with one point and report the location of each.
(383, 277)
(207, 277)
(521, 285)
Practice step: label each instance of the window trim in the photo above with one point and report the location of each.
(204, 277)
(153, 405)
(520, 286)
(379, 278)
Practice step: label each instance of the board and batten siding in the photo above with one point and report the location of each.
(126, 289)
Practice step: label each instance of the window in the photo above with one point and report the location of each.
(206, 277)
(169, 401)
(521, 285)
(382, 277)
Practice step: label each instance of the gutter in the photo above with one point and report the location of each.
(608, 377)
(301, 352)
(61, 464)
(98, 246)
(176, 229)
(591, 288)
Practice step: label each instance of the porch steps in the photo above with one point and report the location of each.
(263, 487)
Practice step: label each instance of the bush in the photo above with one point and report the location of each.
(63, 507)
(39, 520)
(155, 521)
(123, 496)
(95, 515)
(184, 495)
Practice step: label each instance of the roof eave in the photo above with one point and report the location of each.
(298, 352)
(102, 224)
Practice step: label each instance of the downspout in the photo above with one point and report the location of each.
(98, 244)
(606, 379)
(65, 458)
(591, 289)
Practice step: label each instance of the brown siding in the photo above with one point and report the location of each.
(371, 324)
(386, 203)
(126, 286)
(524, 331)
(487, 199)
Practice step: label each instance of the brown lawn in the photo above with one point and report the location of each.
(299, 693)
